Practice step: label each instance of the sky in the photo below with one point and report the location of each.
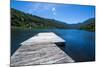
(68, 13)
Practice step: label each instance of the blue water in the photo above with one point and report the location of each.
(80, 44)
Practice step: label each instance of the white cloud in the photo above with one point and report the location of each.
(42, 7)
(54, 13)
(53, 9)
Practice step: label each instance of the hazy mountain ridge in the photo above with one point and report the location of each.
(24, 20)
(84, 23)
(21, 19)
(89, 24)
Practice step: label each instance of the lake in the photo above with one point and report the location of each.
(80, 44)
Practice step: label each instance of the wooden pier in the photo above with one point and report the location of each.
(40, 49)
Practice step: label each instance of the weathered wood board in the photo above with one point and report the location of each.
(42, 38)
(38, 52)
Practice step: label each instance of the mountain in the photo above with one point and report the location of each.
(88, 24)
(25, 20)
(20, 19)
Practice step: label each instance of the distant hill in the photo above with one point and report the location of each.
(89, 24)
(24, 20)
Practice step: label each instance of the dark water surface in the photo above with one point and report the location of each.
(80, 44)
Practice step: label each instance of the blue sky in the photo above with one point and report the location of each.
(67, 13)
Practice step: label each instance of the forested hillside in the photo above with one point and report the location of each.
(24, 20)
(20, 19)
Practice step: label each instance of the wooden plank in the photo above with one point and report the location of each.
(33, 54)
(42, 38)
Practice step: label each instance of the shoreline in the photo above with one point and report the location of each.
(50, 28)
